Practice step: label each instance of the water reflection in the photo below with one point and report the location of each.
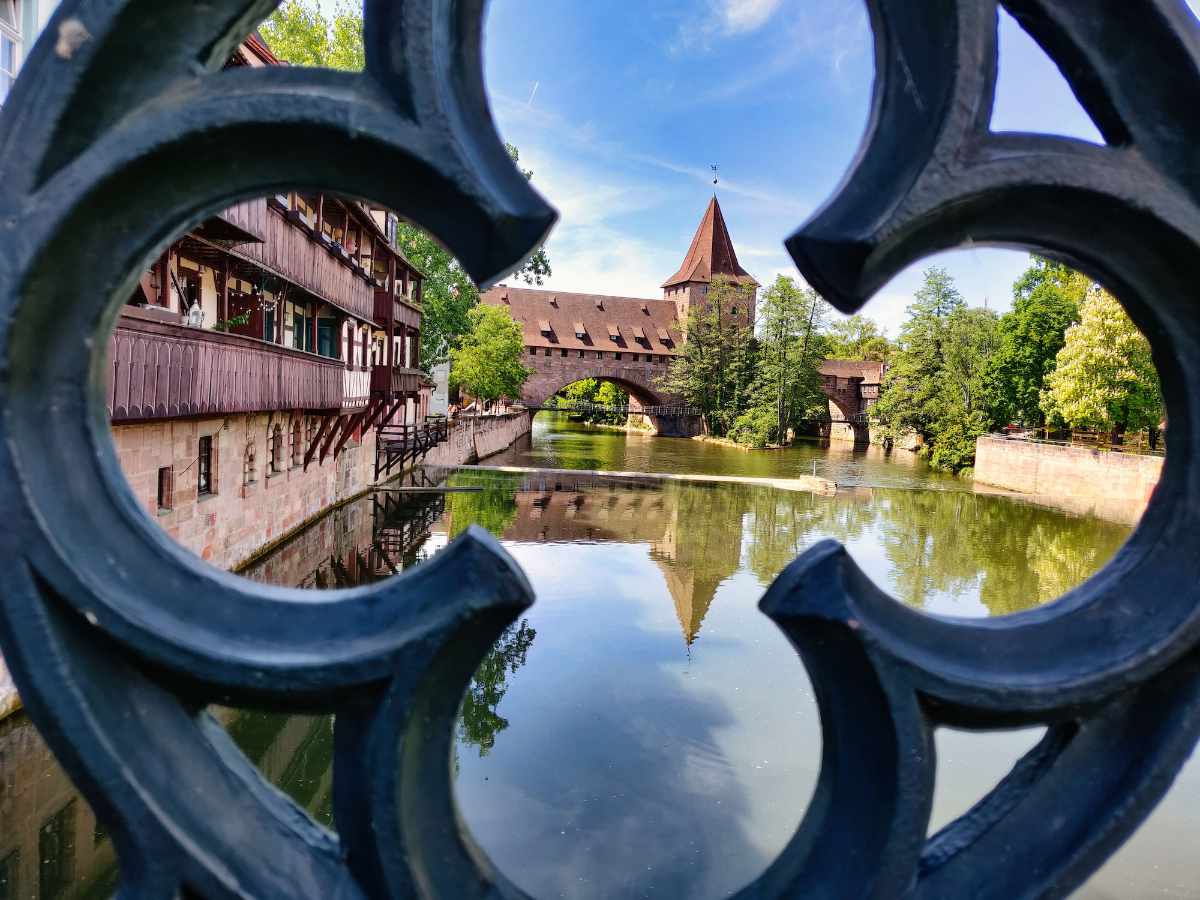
(644, 729)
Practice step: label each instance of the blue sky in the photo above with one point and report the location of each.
(620, 114)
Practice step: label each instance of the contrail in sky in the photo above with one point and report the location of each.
(532, 94)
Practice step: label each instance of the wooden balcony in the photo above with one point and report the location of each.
(160, 369)
(402, 312)
(397, 381)
(292, 252)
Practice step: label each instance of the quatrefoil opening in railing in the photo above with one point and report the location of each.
(114, 675)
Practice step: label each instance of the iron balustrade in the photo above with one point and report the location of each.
(398, 446)
(117, 638)
(677, 409)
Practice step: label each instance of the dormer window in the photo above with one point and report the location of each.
(645, 309)
(614, 333)
(580, 331)
(544, 326)
(600, 303)
(554, 302)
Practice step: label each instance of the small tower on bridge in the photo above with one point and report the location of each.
(711, 255)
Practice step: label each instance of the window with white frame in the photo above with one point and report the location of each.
(10, 46)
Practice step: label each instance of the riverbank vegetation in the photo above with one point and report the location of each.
(1065, 357)
(592, 400)
(486, 363)
(755, 389)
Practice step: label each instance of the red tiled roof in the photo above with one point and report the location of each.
(870, 371)
(711, 252)
(623, 316)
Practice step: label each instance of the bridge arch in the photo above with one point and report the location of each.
(640, 395)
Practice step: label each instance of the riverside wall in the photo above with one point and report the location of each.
(477, 437)
(1113, 486)
(252, 507)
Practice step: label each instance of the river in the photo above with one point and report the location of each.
(643, 730)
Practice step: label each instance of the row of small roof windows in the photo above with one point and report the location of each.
(553, 301)
(614, 331)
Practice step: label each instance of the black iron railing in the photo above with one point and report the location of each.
(116, 637)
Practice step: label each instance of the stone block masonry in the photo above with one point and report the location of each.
(253, 500)
(1113, 486)
(478, 437)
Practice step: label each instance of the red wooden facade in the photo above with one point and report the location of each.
(288, 249)
(160, 369)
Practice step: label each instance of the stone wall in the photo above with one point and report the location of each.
(476, 437)
(1113, 486)
(244, 515)
(554, 372)
(251, 505)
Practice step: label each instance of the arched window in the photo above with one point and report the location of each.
(276, 449)
(297, 455)
(249, 465)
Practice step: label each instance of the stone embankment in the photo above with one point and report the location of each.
(1113, 486)
(478, 437)
(471, 438)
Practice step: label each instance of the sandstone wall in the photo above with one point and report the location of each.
(554, 372)
(477, 437)
(1114, 486)
(251, 506)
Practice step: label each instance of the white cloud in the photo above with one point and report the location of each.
(741, 16)
(589, 252)
(1195, 6)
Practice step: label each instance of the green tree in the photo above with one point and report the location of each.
(589, 391)
(1046, 302)
(487, 362)
(299, 33)
(857, 337)
(787, 389)
(936, 385)
(714, 370)
(1105, 376)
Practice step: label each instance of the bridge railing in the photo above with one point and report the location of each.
(675, 409)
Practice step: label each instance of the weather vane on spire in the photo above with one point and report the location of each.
(716, 177)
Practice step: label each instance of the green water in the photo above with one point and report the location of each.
(643, 730)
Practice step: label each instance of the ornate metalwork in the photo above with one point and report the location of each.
(121, 132)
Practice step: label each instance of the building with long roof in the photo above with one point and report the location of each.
(627, 340)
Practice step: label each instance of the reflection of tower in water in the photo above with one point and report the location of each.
(693, 531)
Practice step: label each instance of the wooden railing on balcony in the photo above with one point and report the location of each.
(290, 251)
(396, 380)
(389, 308)
(161, 369)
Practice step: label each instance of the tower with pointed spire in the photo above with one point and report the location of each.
(710, 256)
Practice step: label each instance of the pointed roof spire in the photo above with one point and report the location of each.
(711, 252)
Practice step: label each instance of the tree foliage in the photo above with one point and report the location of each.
(300, 33)
(487, 362)
(714, 370)
(1046, 302)
(857, 337)
(479, 720)
(1105, 376)
(937, 383)
(600, 393)
(787, 388)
